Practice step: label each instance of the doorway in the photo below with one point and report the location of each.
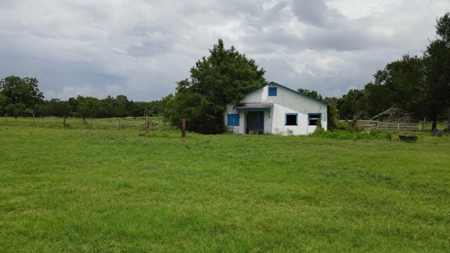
(255, 123)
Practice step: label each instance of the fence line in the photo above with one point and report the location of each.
(399, 126)
(390, 126)
(136, 123)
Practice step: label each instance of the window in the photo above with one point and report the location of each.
(233, 120)
(314, 119)
(291, 119)
(272, 91)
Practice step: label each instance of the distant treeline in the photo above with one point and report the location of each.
(108, 107)
(411, 85)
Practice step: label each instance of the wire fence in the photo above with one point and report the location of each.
(129, 123)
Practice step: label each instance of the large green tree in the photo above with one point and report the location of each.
(217, 80)
(437, 70)
(20, 96)
(401, 85)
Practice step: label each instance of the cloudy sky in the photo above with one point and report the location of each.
(141, 48)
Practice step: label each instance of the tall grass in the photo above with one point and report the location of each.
(83, 190)
(348, 135)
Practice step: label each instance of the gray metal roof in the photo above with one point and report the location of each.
(253, 106)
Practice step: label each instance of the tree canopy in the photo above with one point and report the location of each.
(437, 70)
(217, 80)
(419, 85)
(310, 93)
(20, 96)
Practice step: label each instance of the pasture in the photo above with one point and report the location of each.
(118, 190)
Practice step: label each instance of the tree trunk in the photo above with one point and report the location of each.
(448, 124)
(434, 119)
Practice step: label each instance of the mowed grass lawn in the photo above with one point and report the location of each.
(81, 190)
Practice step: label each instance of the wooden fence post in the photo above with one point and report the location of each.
(64, 121)
(183, 128)
(91, 121)
(6, 115)
(146, 124)
(448, 124)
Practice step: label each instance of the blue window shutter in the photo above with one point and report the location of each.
(233, 120)
(273, 91)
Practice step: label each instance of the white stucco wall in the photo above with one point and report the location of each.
(286, 101)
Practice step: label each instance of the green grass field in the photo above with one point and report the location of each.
(93, 190)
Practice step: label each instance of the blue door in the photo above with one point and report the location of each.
(255, 122)
(260, 122)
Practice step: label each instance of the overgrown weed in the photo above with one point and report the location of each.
(347, 135)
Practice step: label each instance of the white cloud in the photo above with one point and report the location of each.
(356, 9)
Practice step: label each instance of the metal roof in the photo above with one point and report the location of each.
(253, 106)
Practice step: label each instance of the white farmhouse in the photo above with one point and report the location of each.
(276, 109)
